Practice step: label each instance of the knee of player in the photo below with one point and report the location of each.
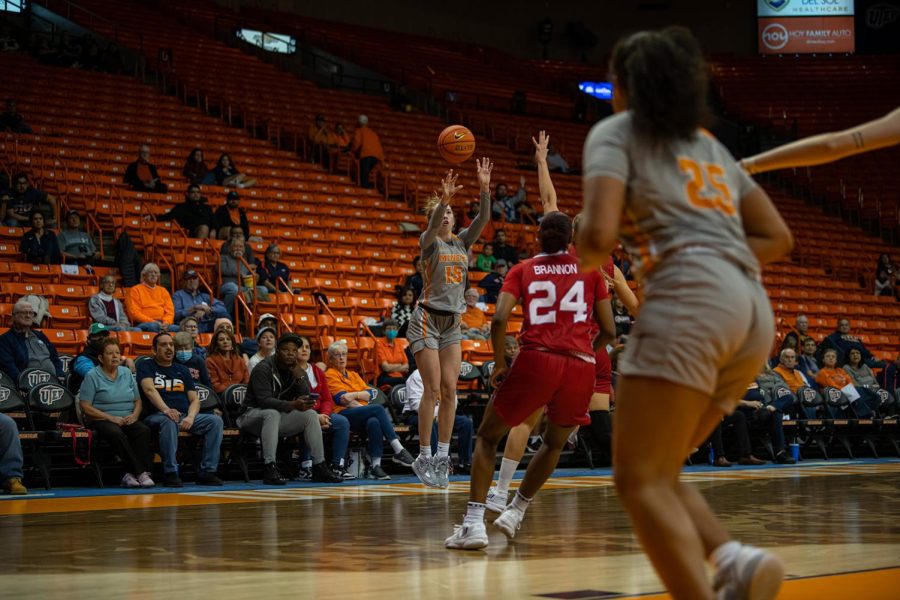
(631, 482)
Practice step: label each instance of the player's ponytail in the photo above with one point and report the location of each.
(665, 78)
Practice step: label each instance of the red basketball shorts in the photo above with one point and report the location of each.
(603, 379)
(536, 379)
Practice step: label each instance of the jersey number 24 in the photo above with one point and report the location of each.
(572, 301)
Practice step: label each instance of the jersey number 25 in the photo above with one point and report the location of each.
(572, 301)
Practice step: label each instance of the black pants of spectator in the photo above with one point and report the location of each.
(737, 421)
(130, 442)
(366, 165)
(321, 155)
(771, 421)
(385, 379)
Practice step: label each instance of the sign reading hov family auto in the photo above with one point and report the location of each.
(804, 8)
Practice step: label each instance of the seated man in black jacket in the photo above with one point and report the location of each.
(278, 405)
(193, 215)
(142, 176)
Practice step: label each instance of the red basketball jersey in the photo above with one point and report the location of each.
(610, 269)
(558, 301)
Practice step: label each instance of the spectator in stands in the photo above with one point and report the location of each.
(842, 341)
(415, 281)
(237, 278)
(885, 277)
(23, 199)
(622, 318)
(492, 282)
(787, 370)
(271, 270)
(105, 308)
(23, 347)
(238, 235)
(801, 329)
(890, 379)
(463, 426)
(192, 326)
(225, 364)
(337, 425)
(223, 324)
(366, 146)
(265, 340)
(790, 341)
(173, 405)
(390, 356)
(227, 174)
(866, 382)
(90, 356)
(736, 421)
(189, 301)
(485, 261)
(352, 398)
(504, 251)
(112, 407)
(556, 162)
(249, 346)
(278, 405)
(196, 170)
(473, 324)
(185, 354)
(807, 362)
(149, 305)
(831, 375)
(319, 137)
(506, 207)
(340, 139)
(142, 175)
(230, 216)
(12, 121)
(193, 215)
(39, 245)
(76, 245)
(11, 457)
(402, 310)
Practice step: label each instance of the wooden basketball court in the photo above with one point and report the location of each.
(837, 524)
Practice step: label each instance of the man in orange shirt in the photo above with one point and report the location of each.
(474, 325)
(149, 305)
(367, 148)
(787, 370)
(390, 356)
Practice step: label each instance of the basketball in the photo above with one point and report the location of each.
(456, 144)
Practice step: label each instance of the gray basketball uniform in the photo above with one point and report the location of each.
(706, 321)
(435, 321)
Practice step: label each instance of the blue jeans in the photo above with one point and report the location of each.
(229, 292)
(10, 449)
(373, 421)
(122, 328)
(154, 327)
(208, 426)
(340, 439)
(462, 427)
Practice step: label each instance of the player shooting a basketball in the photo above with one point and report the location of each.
(434, 334)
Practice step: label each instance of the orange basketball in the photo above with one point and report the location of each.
(456, 144)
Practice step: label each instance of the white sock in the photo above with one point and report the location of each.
(341, 464)
(474, 513)
(425, 451)
(306, 464)
(376, 462)
(396, 446)
(507, 470)
(443, 449)
(532, 439)
(521, 503)
(725, 554)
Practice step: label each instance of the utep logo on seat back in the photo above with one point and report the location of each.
(239, 395)
(465, 368)
(4, 394)
(777, 5)
(50, 395)
(36, 377)
(401, 395)
(203, 394)
(835, 396)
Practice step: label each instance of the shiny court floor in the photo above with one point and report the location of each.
(836, 524)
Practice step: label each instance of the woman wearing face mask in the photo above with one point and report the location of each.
(186, 354)
(390, 356)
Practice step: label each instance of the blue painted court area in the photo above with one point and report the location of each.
(38, 493)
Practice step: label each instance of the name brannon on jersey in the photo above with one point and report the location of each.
(569, 269)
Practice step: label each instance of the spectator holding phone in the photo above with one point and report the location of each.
(278, 405)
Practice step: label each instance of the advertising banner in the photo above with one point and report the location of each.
(806, 35)
(804, 8)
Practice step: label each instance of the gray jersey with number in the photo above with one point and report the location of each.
(444, 269)
(680, 193)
